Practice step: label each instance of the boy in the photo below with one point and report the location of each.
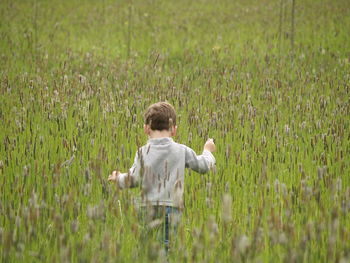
(159, 166)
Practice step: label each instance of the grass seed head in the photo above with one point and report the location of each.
(226, 210)
(243, 244)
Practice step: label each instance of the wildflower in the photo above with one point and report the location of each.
(86, 238)
(154, 251)
(318, 124)
(216, 48)
(286, 129)
(227, 187)
(243, 244)
(209, 202)
(212, 227)
(155, 223)
(74, 226)
(321, 172)
(87, 175)
(68, 162)
(338, 184)
(177, 194)
(276, 184)
(209, 187)
(87, 189)
(96, 212)
(82, 79)
(17, 221)
(282, 238)
(226, 213)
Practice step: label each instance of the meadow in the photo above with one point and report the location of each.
(269, 80)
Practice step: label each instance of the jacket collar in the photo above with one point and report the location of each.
(160, 141)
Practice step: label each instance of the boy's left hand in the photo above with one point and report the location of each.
(113, 176)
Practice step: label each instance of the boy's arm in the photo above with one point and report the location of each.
(201, 163)
(129, 179)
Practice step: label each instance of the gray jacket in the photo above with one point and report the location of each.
(159, 169)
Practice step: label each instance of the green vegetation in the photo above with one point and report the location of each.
(76, 76)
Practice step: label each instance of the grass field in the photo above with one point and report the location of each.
(269, 84)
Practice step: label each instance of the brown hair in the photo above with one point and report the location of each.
(160, 116)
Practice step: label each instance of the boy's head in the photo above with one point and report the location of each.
(160, 116)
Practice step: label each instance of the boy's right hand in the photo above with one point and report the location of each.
(210, 145)
(114, 176)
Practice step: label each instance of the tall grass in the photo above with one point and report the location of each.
(76, 77)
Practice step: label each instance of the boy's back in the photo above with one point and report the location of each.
(159, 167)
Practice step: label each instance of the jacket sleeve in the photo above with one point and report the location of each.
(199, 163)
(132, 177)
